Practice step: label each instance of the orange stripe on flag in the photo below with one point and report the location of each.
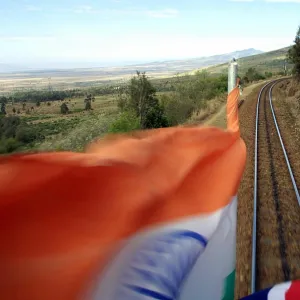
(61, 213)
(232, 110)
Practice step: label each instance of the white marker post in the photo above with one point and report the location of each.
(232, 75)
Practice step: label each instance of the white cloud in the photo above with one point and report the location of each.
(165, 13)
(32, 8)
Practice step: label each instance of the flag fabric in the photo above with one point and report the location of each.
(284, 291)
(150, 215)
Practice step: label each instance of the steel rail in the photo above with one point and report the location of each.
(254, 225)
(282, 146)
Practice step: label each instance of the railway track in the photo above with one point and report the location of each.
(275, 236)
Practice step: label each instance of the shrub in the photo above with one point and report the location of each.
(64, 108)
(8, 126)
(155, 117)
(26, 135)
(253, 75)
(3, 108)
(268, 74)
(127, 121)
(10, 145)
(88, 105)
(246, 79)
(177, 111)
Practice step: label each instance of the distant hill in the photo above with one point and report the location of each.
(86, 77)
(272, 61)
(169, 66)
(192, 63)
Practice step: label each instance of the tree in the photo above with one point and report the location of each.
(3, 108)
(141, 99)
(24, 105)
(3, 99)
(294, 55)
(64, 108)
(88, 105)
(38, 103)
(122, 96)
(87, 101)
(8, 126)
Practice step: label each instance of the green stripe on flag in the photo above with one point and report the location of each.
(229, 287)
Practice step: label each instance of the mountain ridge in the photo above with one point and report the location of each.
(179, 65)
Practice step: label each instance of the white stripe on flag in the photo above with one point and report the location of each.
(278, 291)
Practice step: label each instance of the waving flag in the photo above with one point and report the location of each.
(284, 291)
(146, 216)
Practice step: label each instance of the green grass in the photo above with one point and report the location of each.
(55, 127)
(75, 135)
(36, 118)
(64, 132)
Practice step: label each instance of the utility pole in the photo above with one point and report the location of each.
(232, 74)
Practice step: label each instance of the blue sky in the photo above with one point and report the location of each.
(45, 33)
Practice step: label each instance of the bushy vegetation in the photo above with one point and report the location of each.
(88, 102)
(64, 109)
(253, 75)
(186, 94)
(20, 134)
(75, 135)
(127, 121)
(38, 96)
(294, 55)
(15, 133)
(3, 108)
(139, 100)
(191, 93)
